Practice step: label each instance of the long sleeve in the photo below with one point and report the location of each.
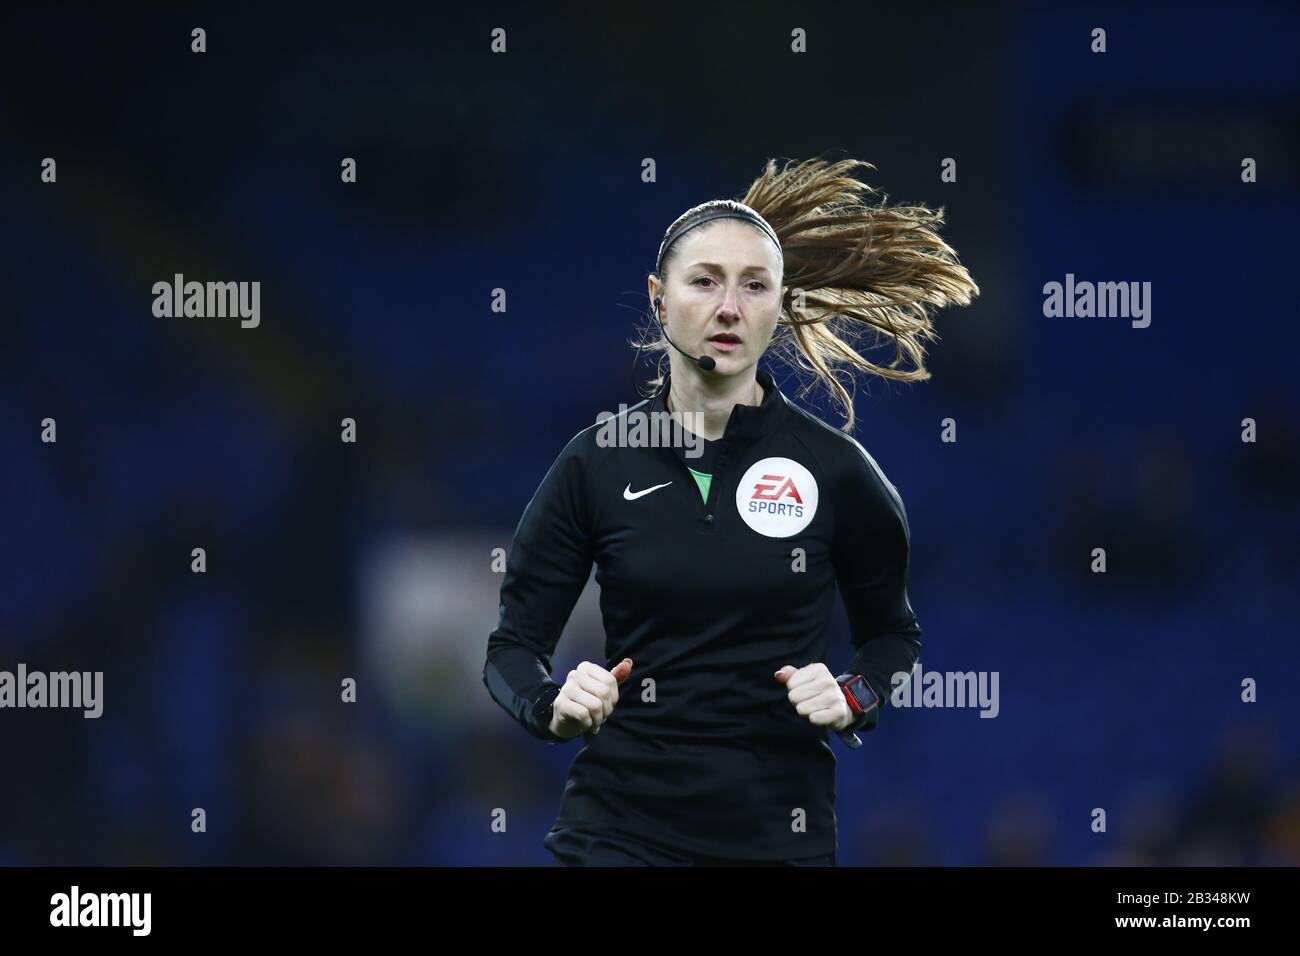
(871, 555)
(547, 567)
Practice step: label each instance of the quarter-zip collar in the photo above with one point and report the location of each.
(746, 421)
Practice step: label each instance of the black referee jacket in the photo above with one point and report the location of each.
(703, 751)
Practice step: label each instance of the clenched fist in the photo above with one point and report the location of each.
(587, 697)
(817, 695)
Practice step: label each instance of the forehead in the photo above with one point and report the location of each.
(729, 242)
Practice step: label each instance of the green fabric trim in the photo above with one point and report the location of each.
(702, 480)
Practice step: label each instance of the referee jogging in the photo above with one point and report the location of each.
(705, 729)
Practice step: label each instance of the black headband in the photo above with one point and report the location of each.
(747, 214)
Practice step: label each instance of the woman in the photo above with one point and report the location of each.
(705, 731)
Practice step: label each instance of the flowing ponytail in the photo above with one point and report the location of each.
(859, 274)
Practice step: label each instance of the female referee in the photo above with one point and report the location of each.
(705, 729)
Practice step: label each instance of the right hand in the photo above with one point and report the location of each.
(587, 698)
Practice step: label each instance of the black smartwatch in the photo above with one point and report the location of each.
(544, 709)
(863, 702)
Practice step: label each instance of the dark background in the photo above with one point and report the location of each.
(522, 171)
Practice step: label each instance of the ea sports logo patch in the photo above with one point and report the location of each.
(777, 497)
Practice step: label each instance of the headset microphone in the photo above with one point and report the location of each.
(705, 362)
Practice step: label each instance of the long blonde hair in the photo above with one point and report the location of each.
(859, 273)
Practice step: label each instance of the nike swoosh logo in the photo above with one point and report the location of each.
(631, 495)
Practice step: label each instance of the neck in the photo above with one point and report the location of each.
(713, 397)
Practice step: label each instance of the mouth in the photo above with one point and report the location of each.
(725, 341)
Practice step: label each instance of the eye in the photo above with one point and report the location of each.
(762, 286)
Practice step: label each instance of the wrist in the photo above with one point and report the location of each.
(542, 713)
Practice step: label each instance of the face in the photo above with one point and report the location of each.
(722, 294)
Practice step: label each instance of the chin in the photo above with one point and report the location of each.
(731, 365)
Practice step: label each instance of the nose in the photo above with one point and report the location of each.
(729, 311)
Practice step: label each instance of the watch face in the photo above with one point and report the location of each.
(861, 692)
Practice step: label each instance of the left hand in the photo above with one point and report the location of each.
(817, 695)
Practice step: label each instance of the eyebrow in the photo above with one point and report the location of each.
(714, 265)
